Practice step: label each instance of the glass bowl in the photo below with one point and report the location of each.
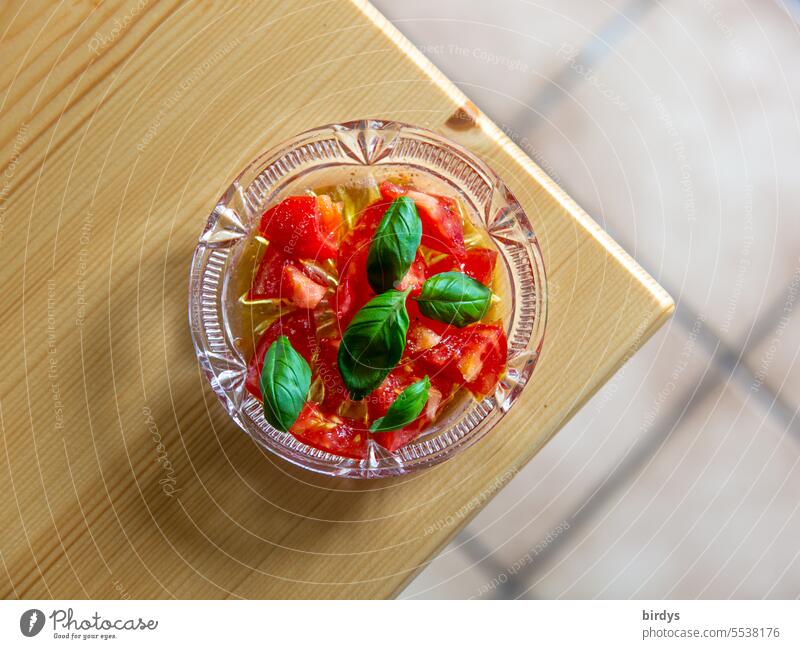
(355, 152)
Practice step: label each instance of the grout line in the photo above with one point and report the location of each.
(728, 365)
(597, 48)
(696, 394)
(478, 551)
(474, 549)
(729, 358)
(766, 324)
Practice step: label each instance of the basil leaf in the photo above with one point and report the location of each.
(394, 245)
(285, 381)
(454, 298)
(406, 408)
(373, 343)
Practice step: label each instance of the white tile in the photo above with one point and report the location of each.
(775, 359)
(539, 501)
(714, 515)
(684, 143)
(500, 53)
(453, 574)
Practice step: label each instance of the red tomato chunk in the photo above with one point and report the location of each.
(441, 222)
(308, 228)
(330, 433)
(279, 277)
(299, 327)
(296, 227)
(474, 357)
(327, 369)
(354, 290)
(478, 263)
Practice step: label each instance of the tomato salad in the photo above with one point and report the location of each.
(408, 301)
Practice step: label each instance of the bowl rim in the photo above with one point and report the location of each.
(316, 461)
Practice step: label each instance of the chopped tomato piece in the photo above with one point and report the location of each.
(331, 433)
(441, 358)
(344, 302)
(308, 227)
(474, 356)
(330, 217)
(295, 227)
(440, 393)
(483, 361)
(269, 274)
(299, 327)
(379, 400)
(279, 277)
(356, 242)
(478, 263)
(436, 401)
(303, 291)
(442, 390)
(392, 440)
(415, 277)
(415, 315)
(354, 291)
(441, 222)
(420, 338)
(328, 370)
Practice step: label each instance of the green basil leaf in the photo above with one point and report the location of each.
(373, 343)
(454, 298)
(285, 381)
(406, 408)
(394, 245)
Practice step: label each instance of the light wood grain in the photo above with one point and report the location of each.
(83, 512)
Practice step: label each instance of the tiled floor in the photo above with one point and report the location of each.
(676, 125)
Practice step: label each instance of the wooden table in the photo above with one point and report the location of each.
(122, 123)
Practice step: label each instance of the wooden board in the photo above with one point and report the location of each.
(121, 474)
